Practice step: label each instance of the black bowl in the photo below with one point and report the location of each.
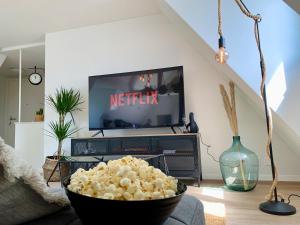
(102, 211)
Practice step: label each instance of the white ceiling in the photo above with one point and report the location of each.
(295, 4)
(23, 22)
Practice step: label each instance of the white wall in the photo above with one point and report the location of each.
(145, 43)
(32, 101)
(290, 107)
(32, 97)
(279, 32)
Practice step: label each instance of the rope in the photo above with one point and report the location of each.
(220, 18)
(257, 19)
(244, 9)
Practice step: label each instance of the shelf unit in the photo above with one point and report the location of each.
(182, 151)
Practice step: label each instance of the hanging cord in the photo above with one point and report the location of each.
(257, 19)
(207, 149)
(213, 157)
(292, 195)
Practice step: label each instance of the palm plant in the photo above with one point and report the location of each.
(65, 101)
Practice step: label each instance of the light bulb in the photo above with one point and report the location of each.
(222, 55)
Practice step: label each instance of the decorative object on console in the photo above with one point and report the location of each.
(39, 115)
(239, 166)
(272, 205)
(192, 126)
(64, 102)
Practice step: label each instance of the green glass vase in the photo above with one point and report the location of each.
(239, 167)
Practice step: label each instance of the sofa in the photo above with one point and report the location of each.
(25, 199)
(19, 204)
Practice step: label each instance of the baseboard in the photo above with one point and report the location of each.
(268, 177)
(262, 177)
(211, 176)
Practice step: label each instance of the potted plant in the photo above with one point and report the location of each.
(39, 115)
(65, 102)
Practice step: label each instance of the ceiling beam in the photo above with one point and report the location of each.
(18, 47)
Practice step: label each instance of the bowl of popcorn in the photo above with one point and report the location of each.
(123, 191)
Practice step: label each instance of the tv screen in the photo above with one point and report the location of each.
(142, 99)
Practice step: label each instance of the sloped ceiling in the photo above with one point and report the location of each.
(295, 4)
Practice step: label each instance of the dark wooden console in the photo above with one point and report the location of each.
(182, 151)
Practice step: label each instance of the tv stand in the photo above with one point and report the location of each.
(98, 132)
(181, 150)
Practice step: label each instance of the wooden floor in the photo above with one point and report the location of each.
(241, 208)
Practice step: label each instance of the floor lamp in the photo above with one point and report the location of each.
(272, 205)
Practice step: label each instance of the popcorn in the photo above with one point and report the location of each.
(170, 193)
(127, 178)
(127, 196)
(157, 195)
(159, 183)
(132, 189)
(139, 195)
(125, 182)
(108, 196)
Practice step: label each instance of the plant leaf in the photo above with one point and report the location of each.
(65, 101)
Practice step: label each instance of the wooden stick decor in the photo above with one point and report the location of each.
(230, 107)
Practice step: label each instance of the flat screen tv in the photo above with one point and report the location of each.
(141, 99)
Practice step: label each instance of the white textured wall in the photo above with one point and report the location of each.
(145, 43)
(32, 97)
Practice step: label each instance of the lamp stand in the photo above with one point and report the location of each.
(274, 207)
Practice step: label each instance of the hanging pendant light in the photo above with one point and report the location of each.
(222, 55)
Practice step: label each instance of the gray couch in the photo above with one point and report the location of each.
(19, 204)
(188, 212)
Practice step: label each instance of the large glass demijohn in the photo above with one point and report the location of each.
(239, 167)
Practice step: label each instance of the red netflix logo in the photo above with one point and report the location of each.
(133, 98)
